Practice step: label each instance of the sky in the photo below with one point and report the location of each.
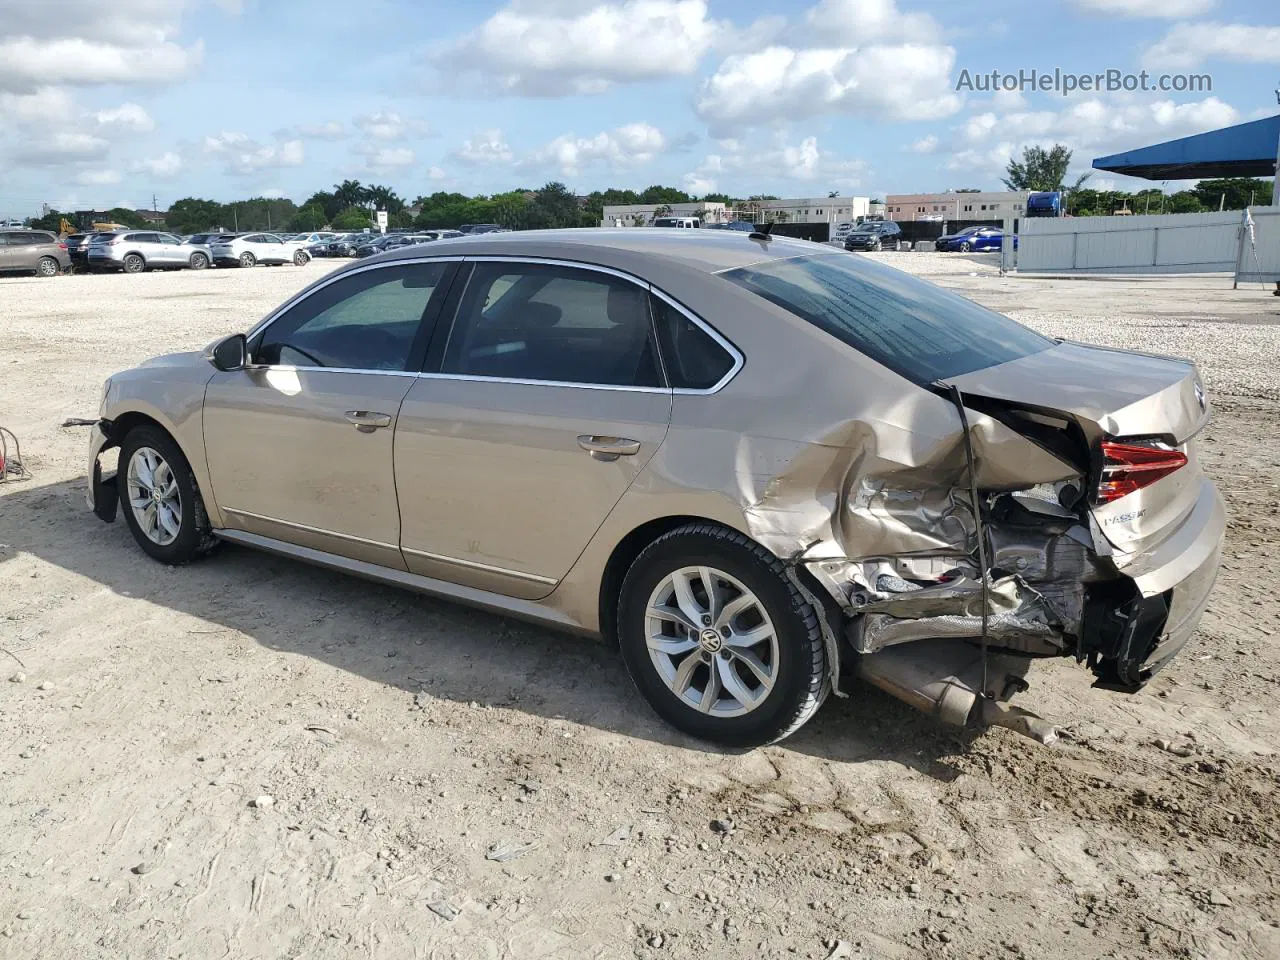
(141, 102)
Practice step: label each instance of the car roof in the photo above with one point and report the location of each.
(626, 248)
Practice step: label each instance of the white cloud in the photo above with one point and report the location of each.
(927, 144)
(436, 173)
(558, 47)
(61, 147)
(785, 84)
(987, 140)
(273, 193)
(168, 164)
(788, 166)
(245, 156)
(1168, 9)
(856, 22)
(386, 159)
(126, 117)
(1189, 44)
(621, 147)
(388, 125)
(28, 64)
(98, 178)
(485, 148)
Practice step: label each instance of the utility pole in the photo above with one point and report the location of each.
(154, 205)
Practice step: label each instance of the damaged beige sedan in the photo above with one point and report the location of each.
(764, 468)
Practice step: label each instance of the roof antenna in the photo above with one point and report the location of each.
(762, 234)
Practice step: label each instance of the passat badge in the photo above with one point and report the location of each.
(1200, 397)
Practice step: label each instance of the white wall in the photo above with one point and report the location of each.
(1169, 243)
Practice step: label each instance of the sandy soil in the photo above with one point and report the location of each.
(405, 741)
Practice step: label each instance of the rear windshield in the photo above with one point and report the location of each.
(912, 327)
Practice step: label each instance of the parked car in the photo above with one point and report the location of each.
(32, 251)
(447, 234)
(250, 249)
(873, 235)
(974, 238)
(745, 226)
(78, 249)
(202, 239)
(134, 251)
(470, 228)
(346, 244)
(747, 461)
(375, 245)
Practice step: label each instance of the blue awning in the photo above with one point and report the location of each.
(1245, 150)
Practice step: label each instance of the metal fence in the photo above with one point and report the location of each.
(1258, 257)
(1167, 243)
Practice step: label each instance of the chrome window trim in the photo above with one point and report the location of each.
(485, 567)
(738, 360)
(293, 368)
(308, 529)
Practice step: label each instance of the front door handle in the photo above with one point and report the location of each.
(609, 448)
(367, 421)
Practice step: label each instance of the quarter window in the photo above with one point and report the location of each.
(365, 321)
(561, 324)
(692, 358)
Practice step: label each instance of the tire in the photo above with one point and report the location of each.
(47, 267)
(966, 246)
(198, 261)
(180, 526)
(133, 263)
(247, 259)
(784, 682)
(300, 258)
(875, 247)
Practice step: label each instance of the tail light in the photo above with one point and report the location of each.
(1127, 467)
(62, 245)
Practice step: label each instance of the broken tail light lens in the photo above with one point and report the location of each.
(1127, 467)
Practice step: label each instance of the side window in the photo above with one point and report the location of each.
(167, 239)
(692, 358)
(365, 321)
(544, 322)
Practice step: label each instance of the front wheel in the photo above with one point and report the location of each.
(875, 247)
(966, 246)
(133, 263)
(159, 498)
(719, 640)
(300, 257)
(247, 259)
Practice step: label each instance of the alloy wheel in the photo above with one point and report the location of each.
(154, 496)
(711, 641)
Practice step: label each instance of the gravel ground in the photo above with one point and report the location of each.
(253, 758)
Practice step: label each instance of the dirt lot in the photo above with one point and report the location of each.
(403, 739)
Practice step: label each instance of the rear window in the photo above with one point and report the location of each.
(912, 327)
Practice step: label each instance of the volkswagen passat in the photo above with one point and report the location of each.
(746, 460)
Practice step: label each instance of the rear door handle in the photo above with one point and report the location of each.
(608, 448)
(366, 421)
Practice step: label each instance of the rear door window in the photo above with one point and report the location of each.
(528, 321)
(692, 358)
(913, 327)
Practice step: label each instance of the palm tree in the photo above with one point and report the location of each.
(350, 193)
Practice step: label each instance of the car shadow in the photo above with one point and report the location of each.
(418, 643)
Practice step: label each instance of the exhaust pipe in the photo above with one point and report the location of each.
(943, 678)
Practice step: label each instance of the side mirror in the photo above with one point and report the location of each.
(229, 353)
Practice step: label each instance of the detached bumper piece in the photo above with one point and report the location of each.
(101, 496)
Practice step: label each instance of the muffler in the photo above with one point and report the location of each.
(943, 678)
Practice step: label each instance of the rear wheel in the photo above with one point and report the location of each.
(47, 267)
(198, 261)
(159, 498)
(719, 640)
(134, 263)
(247, 259)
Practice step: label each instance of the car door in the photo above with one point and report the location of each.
(169, 250)
(273, 249)
(542, 403)
(21, 251)
(299, 443)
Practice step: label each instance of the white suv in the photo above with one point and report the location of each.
(254, 248)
